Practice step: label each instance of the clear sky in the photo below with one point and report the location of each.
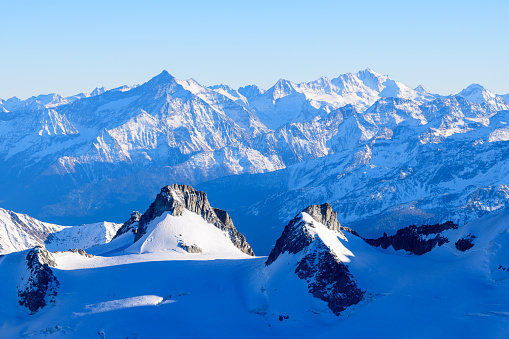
(74, 46)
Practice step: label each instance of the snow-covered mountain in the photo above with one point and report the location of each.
(374, 148)
(19, 232)
(478, 94)
(321, 279)
(166, 225)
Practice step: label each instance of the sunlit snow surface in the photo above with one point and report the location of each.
(442, 294)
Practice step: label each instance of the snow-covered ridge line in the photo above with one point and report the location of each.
(19, 232)
(123, 145)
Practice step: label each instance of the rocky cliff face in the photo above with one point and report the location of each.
(327, 276)
(414, 239)
(38, 286)
(178, 198)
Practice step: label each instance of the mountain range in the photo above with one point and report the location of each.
(383, 154)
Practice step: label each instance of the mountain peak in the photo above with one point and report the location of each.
(475, 87)
(421, 89)
(372, 79)
(251, 91)
(97, 91)
(319, 257)
(325, 215)
(163, 77)
(178, 198)
(477, 94)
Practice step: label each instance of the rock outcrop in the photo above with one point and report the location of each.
(324, 214)
(415, 239)
(189, 248)
(81, 252)
(39, 285)
(466, 243)
(178, 198)
(130, 225)
(328, 278)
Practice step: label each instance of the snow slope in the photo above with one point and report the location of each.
(19, 232)
(82, 237)
(174, 233)
(443, 293)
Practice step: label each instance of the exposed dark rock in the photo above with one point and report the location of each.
(129, 225)
(328, 278)
(178, 198)
(325, 215)
(39, 286)
(414, 239)
(81, 252)
(283, 317)
(466, 243)
(189, 248)
(293, 240)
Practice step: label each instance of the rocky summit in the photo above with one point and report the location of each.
(176, 198)
(316, 261)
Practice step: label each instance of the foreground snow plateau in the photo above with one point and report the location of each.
(122, 291)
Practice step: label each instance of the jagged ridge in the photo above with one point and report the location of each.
(412, 238)
(177, 198)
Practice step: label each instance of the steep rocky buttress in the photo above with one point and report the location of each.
(130, 225)
(328, 278)
(178, 198)
(38, 286)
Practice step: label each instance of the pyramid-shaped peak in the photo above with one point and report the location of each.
(283, 82)
(281, 89)
(163, 77)
(421, 89)
(372, 79)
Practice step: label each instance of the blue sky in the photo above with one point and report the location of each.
(70, 47)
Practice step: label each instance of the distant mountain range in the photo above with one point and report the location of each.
(383, 154)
